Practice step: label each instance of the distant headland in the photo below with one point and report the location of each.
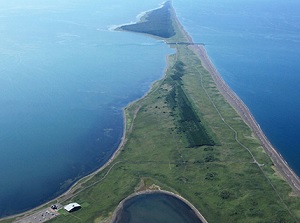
(157, 23)
(193, 137)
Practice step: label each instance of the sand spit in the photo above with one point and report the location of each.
(245, 113)
(279, 162)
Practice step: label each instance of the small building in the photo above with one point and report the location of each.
(72, 207)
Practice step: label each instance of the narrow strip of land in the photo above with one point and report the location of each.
(230, 186)
(279, 162)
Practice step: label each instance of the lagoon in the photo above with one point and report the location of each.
(65, 79)
(156, 207)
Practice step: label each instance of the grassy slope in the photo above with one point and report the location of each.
(221, 180)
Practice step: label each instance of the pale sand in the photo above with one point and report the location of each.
(279, 162)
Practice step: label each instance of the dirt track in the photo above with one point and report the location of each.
(280, 164)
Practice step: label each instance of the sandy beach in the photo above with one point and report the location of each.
(281, 165)
(77, 187)
(279, 162)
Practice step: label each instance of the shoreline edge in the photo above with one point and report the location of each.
(281, 165)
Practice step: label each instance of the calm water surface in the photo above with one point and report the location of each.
(255, 45)
(156, 208)
(64, 79)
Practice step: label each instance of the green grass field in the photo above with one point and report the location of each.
(178, 142)
(221, 180)
(156, 23)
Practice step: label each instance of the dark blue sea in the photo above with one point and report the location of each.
(156, 208)
(255, 45)
(65, 77)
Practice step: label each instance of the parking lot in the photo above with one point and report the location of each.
(41, 216)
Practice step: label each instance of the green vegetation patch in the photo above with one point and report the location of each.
(219, 179)
(157, 23)
(189, 122)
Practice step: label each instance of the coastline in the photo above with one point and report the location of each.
(139, 18)
(120, 206)
(281, 165)
(71, 192)
(233, 100)
(231, 97)
(77, 185)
